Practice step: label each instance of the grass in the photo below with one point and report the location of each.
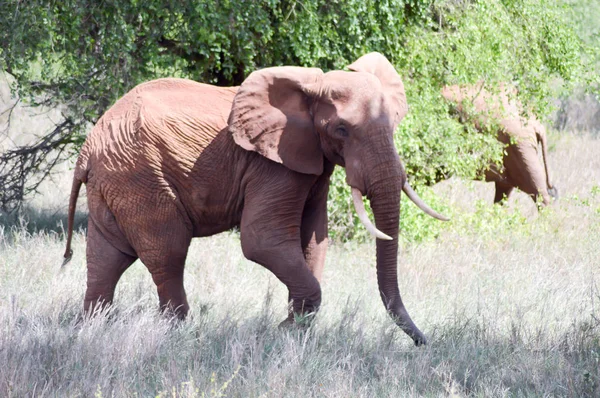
(509, 299)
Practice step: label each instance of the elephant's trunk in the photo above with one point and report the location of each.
(384, 195)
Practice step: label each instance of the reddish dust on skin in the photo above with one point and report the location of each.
(175, 159)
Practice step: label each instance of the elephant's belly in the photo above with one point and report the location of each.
(211, 217)
(208, 230)
(212, 209)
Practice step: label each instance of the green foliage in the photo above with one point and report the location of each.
(83, 55)
(343, 221)
(526, 42)
(585, 15)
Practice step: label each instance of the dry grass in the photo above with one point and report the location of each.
(511, 309)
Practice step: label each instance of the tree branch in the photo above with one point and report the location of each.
(23, 169)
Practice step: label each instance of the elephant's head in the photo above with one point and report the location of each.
(299, 116)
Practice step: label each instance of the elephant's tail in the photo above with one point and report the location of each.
(72, 204)
(541, 137)
(412, 195)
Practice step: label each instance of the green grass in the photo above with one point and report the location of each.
(509, 299)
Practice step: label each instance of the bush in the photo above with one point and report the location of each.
(83, 55)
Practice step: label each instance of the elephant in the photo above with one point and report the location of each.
(175, 159)
(521, 164)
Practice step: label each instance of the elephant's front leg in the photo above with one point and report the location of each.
(271, 237)
(314, 229)
(503, 191)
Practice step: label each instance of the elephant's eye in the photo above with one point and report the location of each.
(341, 131)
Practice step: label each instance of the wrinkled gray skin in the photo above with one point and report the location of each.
(175, 159)
(522, 167)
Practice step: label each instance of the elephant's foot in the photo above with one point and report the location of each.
(96, 306)
(298, 321)
(176, 308)
(172, 297)
(287, 323)
(178, 313)
(304, 324)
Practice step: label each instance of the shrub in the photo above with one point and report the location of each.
(83, 55)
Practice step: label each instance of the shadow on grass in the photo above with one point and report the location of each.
(34, 220)
(237, 355)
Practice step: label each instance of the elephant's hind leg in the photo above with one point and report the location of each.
(169, 283)
(163, 252)
(105, 265)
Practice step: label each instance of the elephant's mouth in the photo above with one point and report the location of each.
(362, 191)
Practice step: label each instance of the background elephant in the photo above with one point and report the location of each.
(174, 159)
(521, 163)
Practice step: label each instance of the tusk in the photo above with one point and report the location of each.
(364, 218)
(412, 195)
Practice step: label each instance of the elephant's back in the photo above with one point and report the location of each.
(157, 120)
(181, 118)
(183, 112)
(171, 97)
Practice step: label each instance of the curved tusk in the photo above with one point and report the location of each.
(412, 195)
(364, 218)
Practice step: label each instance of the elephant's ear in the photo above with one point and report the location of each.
(378, 65)
(271, 115)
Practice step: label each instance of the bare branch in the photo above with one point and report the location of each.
(10, 111)
(23, 169)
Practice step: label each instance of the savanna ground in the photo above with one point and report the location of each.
(509, 300)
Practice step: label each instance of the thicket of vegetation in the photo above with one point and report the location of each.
(580, 110)
(82, 55)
